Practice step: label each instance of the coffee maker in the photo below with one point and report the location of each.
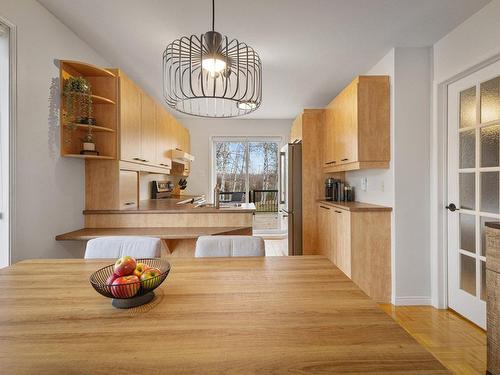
(338, 191)
(330, 189)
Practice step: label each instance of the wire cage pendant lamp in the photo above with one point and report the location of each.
(212, 76)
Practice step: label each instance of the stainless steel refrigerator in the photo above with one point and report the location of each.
(291, 194)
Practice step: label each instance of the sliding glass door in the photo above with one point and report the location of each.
(247, 170)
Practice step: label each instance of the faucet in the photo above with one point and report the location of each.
(217, 196)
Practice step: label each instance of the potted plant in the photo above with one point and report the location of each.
(78, 102)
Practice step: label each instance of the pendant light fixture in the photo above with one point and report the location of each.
(212, 76)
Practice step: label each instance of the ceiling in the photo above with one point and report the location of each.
(310, 49)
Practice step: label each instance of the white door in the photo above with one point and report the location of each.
(473, 186)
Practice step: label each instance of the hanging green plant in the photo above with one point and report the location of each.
(77, 95)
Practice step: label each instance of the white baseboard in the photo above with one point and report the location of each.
(413, 301)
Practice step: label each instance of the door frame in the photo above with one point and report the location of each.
(12, 132)
(439, 183)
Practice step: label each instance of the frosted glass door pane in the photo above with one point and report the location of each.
(467, 187)
(489, 192)
(489, 146)
(468, 232)
(468, 107)
(468, 274)
(467, 149)
(490, 100)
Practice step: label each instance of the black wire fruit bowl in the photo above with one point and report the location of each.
(133, 293)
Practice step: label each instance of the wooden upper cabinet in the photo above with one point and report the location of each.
(163, 137)
(296, 131)
(329, 138)
(148, 130)
(357, 125)
(130, 120)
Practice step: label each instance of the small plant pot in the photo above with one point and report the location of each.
(88, 146)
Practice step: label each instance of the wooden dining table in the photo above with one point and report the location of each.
(263, 315)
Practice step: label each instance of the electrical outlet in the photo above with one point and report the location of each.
(364, 183)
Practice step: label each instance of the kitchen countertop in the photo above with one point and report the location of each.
(169, 206)
(355, 206)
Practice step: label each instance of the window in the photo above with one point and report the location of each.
(4, 143)
(247, 170)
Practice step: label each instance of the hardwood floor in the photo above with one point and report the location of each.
(455, 342)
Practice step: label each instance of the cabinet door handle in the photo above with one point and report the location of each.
(129, 203)
(326, 208)
(339, 212)
(344, 159)
(137, 159)
(331, 162)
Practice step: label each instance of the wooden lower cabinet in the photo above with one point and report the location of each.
(342, 240)
(359, 244)
(129, 189)
(325, 225)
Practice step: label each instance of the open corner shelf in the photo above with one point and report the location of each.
(80, 156)
(95, 128)
(104, 85)
(88, 70)
(96, 99)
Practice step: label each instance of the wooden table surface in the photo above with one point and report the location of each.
(268, 315)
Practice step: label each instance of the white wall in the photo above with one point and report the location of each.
(202, 130)
(404, 186)
(411, 175)
(49, 190)
(473, 43)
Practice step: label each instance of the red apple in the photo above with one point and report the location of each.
(125, 286)
(111, 278)
(125, 266)
(140, 268)
(150, 279)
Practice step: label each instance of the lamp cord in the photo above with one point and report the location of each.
(213, 15)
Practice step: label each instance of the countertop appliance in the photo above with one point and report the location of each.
(291, 186)
(330, 189)
(161, 189)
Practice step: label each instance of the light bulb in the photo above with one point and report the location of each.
(213, 65)
(247, 105)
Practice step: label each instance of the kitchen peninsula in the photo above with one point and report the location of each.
(177, 225)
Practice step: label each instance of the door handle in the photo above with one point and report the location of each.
(452, 207)
(326, 208)
(344, 159)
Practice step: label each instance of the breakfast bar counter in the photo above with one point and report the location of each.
(177, 225)
(261, 315)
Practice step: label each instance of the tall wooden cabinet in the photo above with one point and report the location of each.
(357, 126)
(358, 241)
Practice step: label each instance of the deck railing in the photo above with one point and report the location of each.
(264, 200)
